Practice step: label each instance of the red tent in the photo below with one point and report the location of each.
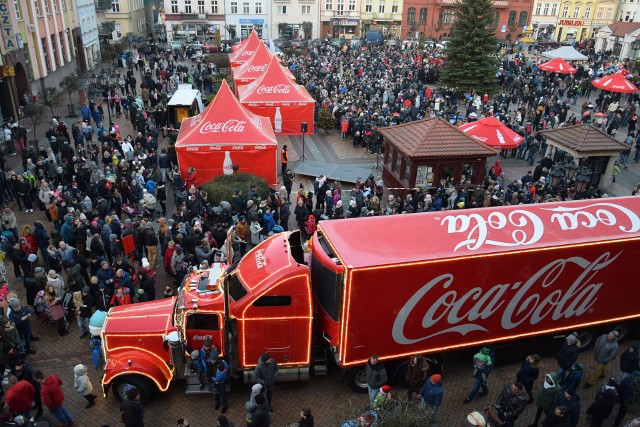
(557, 65)
(246, 51)
(492, 132)
(254, 68)
(615, 83)
(224, 135)
(276, 96)
(238, 46)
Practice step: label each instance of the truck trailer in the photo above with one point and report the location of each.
(394, 286)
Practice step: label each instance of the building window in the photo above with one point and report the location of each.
(234, 7)
(64, 5)
(62, 44)
(565, 11)
(381, 7)
(554, 9)
(368, 7)
(394, 7)
(587, 12)
(523, 18)
(447, 16)
(55, 6)
(407, 170)
(201, 10)
(352, 5)
(245, 8)
(187, 6)
(576, 12)
(496, 18)
(411, 15)
(174, 6)
(282, 9)
(46, 7)
(37, 7)
(306, 10)
(328, 5)
(259, 7)
(16, 6)
(115, 5)
(340, 7)
(512, 17)
(45, 51)
(54, 51)
(214, 6)
(607, 14)
(395, 161)
(538, 9)
(423, 15)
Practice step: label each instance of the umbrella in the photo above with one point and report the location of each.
(490, 131)
(601, 115)
(557, 65)
(615, 83)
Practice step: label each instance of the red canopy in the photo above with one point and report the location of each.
(615, 83)
(236, 47)
(246, 51)
(255, 67)
(226, 134)
(557, 65)
(276, 96)
(492, 132)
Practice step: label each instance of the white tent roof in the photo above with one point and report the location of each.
(568, 53)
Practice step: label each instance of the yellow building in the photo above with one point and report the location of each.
(384, 15)
(580, 19)
(128, 16)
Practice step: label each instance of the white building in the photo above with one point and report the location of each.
(195, 17)
(629, 10)
(242, 16)
(89, 33)
(294, 13)
(544, 18)
(619, 38)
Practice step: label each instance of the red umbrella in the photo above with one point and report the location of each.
(615, 83)
(492, 132)
(557, 65)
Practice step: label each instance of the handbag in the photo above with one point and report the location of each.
(57, 311)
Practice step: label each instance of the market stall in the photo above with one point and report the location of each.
(246, 51)
(255, 67)
(276, 96)
(224, 136)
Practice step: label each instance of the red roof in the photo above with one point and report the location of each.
(273, 86)
(225, 121)
(622, 28)
(247, 50)
(256, 66)
(482, 231)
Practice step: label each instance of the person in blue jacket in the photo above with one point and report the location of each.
(432, 391)
(220, 377)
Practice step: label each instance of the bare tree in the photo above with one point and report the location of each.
(36, 112)
(51, 98)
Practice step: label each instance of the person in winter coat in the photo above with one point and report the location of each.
(83, 385)
(121, 297)
(604, 351)
(131, 408)
(302, 213)
(53, 396)
(220, 378)
(19, 397)
(482, 365)
(567, 356)
(629, 361)
(416, 373)
(56, 281)
(102, 298)
(250, 405)
(27, 234)
(384, 394)
(528, 373)
(66, 231)
(546, 398)
(265, 374)
(559, 418)
(602, 406)
(42, 239)
(511, 402)
(147, 284)
(432, 391)
(571, 401)
(9, 222)
(306, 419)
(375, 376)
(574, 377)
(629, 395)
(260, 417)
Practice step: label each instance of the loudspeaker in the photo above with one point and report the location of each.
(303, 127)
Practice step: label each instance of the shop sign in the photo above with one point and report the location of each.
(571, 22)
(345, 22)
(6, 28)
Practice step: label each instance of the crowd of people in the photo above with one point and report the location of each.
(103, 195)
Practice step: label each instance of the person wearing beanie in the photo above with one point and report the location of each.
(265, 375)
(260, 416)
(571, 401)
(604, 351)
(141, 295)
(220, 378)
(432, 391)
(629, 361)
(628, 392)
(567, 356)
(20, 316)
(250, 405)
(546, 397)
(383, 395)
(375, 376)
(528, 374)
(85, 310)
(83, 385)
(482, 366)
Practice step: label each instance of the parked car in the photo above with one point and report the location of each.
(210, 46)
(393, 42)
(283, 43)
(197, 44)
(176, 44)
(337, 42)
(300, 43)
(356, 42)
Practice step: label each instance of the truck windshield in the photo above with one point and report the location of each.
(327, 283)
(236, 289)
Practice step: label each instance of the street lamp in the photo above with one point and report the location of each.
(583, 179)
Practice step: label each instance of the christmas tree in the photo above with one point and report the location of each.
(470, 63)
(326, 121)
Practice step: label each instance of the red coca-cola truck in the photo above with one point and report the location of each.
(394, 286)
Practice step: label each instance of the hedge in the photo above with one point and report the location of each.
(222, 187)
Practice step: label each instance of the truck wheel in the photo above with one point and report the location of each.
(147, 390)
(585, 339)
(356, 381)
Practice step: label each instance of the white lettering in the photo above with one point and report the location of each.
(597, 213)
(539, 298)
(192, 148)
(231, 125)
(261, 260)
(202, 337)
(247, 52)
(215, 148)
(257, 68)
(260, 147)
(280, 88)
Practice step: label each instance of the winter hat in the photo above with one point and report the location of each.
(32, 258)
(256, 389)
(195, 354)
(14, 302)
(249, 203)
(614, 333)
(86, 290)
(40, 294)
(80, 369)
(259, 399)
(145, 263)
(140, 292)
(385, 389)
(207, 343)
(101, 286)
(39, 270)
(571, 339)
(265, 356)
(436, 378)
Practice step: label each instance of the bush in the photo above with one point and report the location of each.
(221, 188)
(397, 413)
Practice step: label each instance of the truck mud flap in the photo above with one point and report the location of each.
(105, 389)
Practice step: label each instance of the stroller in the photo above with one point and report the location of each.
(131, 211)
(44, 311)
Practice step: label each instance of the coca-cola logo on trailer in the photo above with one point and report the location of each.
(540, 297)
(202, 337)
(280, 88)
(230, 126)
(257, 68)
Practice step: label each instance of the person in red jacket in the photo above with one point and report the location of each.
(53, 397)
(19, 397)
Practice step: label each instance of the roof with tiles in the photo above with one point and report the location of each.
(583, 138)
(434, 138)
(622, 28)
